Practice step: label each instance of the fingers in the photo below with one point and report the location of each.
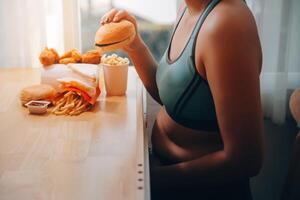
(115, 15)
(121, 14)
(108, 17)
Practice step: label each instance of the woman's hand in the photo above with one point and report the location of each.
(138, 52)
(115, 15)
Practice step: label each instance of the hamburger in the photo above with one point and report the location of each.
(91, 57)
(114, 35)
(37, 92)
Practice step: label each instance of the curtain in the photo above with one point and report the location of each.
(278, 23)
(22, 32)
(28, 26)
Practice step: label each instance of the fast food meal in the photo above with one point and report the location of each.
(67, 60)
(71, 86)
(91, 57)
(37, 92)
(114, 59)
(77, 85)
(114, 35)
(71, 103)
(86, 71)
(79, 94)
(49, 57)
(72, 89)
(37, 107)
(71, 56)
(115, 71)
(83, 88)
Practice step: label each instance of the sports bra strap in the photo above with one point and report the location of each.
(192, 40)
(179, 19)
(203, 16)
(199, 24)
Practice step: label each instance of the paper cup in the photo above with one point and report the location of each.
(115, 79)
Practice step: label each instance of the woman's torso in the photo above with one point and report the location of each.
(174, 138)
(188, 104)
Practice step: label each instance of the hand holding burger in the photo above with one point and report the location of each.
(114, 35)
(140, 55)
(120, 28)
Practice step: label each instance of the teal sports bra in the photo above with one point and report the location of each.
(184, 93)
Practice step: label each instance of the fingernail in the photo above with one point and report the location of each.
(115, 19)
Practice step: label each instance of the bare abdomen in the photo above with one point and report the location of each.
(176, 143)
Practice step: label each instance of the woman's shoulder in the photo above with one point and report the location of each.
(228, 31)
(231, 18)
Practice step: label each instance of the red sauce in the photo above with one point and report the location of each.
(37, 104)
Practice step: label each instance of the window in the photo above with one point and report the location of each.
(279, 28)
(154, 22)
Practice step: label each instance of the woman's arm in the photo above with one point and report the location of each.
(232, 60)
(145, 66)
(140, 55)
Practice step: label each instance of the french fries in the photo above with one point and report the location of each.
(70, 103)
(114, 59)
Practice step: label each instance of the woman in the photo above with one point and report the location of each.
(208, 134)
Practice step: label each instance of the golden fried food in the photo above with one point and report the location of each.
(70, 103)
(48, 57)
(76, 55)
(67, 60)
(67, 54)
(55, 54)
(91, 57)
(73, 53)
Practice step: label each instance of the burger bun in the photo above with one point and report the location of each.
(114, 35)
(37, 92)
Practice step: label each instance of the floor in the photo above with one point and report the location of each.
(279, 144)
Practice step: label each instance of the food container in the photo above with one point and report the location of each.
(115, 79)
(37, 107)
(115, 70)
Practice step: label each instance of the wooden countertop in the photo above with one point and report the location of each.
(101, 154)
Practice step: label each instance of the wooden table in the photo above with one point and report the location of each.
(100, 154)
